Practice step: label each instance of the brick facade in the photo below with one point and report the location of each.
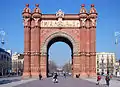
(42, 30)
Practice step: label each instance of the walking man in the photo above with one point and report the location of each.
(107, 78)
(65, 75)
(40, 76)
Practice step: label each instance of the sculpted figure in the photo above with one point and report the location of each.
(93, 22)
(36, 21)
(83, 21)
(26, 21)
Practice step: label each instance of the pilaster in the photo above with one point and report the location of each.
(27, 37)
(35, 42)
(87, 50)
(93, 16)
(83, 17)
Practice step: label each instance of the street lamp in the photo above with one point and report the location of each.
(117, 37)
(108, 65)
(2, 34)
(102, 59)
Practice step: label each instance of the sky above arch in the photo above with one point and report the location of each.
(107, 23)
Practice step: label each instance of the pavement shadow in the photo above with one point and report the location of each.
(102, 85)
(8, 81)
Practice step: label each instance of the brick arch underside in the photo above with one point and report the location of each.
(60, 36)
(52, 41)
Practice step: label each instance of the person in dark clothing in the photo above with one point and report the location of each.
(78, 75)
(40, 76)
(55, 80)
(107, 78)
(64, 75)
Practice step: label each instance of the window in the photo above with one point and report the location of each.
(1, 56)
(5, 57)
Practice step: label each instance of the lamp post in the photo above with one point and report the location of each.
(102, 60)
(108, 65)
(2, 34)
(117, 37)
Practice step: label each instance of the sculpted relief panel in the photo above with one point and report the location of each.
(60, 23)
(67, 23)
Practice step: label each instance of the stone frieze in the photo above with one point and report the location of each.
(62, 23)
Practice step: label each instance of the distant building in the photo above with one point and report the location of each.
(117, 68)
(105, 62)
(5, 62)
(119, 62)
(117, 65)
(9, 51)
(17, 63)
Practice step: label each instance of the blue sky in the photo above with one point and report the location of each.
(108, 22)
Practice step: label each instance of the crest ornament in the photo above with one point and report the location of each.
(60, 14)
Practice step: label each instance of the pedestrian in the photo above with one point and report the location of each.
(98, 79)
(116, 74)
(40, 76)
(79, 75)
(55, 80)
(107, 78)
(64, 75)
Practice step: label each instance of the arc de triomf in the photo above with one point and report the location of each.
(42, 30)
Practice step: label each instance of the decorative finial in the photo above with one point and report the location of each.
(60, 13)
(92, 5)
(83, 5)
(37, 5)
(83, 10)
(93, 10)
(27, 5)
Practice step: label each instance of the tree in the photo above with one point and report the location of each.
(52, 67)
(67, 67)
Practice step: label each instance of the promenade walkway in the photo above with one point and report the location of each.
(63, 82)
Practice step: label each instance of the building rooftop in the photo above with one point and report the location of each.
(3, 50)
(105, 53)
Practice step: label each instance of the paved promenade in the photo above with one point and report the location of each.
(63, 82)
(13, 81)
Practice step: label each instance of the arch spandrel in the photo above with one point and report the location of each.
(60, 34)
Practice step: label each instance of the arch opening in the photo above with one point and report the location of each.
(55, 40)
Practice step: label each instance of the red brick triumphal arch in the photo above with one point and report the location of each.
(42, 30)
